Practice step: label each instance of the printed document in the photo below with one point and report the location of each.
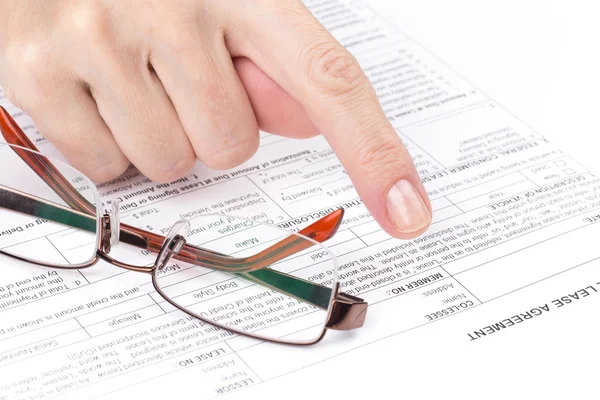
(506, 261)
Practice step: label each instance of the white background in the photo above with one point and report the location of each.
(540, 59)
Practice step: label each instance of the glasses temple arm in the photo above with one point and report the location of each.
(34, 206)
(295, 287)
(30, 205)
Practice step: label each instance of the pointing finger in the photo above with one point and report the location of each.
(307, 62)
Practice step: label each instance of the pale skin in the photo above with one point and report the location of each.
(162, 84)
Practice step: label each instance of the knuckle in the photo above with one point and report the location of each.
(332, 70)
(105, 172)
(165, 159)
(166, 170)
(200, 71)
(205, 84)
(376, 152)
(159, 148)
(32, 74)
(88, 22)
(179, 41)
(228, 153)
(183, 38)
(28, 57)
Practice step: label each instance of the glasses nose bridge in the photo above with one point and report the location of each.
(110, 225)
(173, 243)
(110, 234)
(115, 222)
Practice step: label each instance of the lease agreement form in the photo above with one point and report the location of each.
(508, 251)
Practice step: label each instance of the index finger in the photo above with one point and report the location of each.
(315, 69)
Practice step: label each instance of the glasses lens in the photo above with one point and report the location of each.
(272, 284)
(38, 225)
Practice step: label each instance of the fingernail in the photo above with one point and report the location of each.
(406, 208)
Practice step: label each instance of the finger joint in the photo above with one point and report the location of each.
(332, 70)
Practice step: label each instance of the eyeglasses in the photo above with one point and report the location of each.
(248, 277)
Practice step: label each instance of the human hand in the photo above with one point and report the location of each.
(160, 84)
